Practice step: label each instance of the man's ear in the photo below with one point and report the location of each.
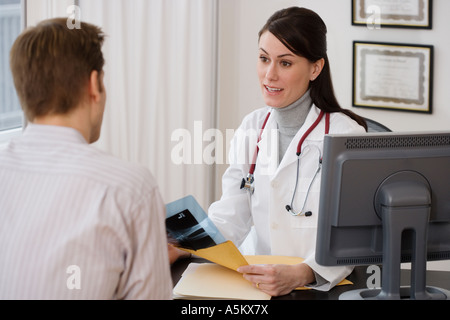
(95, 87)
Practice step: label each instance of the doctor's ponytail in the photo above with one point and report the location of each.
(303, 32)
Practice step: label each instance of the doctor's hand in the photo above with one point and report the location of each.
(278, 279)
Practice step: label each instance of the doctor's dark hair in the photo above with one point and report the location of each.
(51, 65)
(304, 33)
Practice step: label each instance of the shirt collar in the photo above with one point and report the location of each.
(54, 133)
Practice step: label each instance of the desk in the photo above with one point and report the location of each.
(359, 278)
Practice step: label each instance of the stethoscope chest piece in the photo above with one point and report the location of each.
(247, 183)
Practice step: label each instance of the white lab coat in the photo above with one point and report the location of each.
(277, 231)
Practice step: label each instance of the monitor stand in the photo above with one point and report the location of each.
(403, 203)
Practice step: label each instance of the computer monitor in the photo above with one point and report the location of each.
(385, 199)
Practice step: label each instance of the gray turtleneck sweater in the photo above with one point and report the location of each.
(290, 119)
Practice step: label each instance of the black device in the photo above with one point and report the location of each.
(385, 199)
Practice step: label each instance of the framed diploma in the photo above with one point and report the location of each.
(392, 13)
(393, 76)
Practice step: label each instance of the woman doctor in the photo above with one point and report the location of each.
(279, 196)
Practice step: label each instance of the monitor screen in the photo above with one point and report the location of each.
(366, 177)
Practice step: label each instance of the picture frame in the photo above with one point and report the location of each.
(415, 14)
(393, 76)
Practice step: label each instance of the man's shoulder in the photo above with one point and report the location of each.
(116, 172)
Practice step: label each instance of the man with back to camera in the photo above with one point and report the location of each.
(75, 223)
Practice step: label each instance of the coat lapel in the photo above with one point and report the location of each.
(267, 162)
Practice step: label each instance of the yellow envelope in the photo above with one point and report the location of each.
(225, 254)
(228, 255)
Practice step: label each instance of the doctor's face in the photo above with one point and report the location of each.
(284, 77)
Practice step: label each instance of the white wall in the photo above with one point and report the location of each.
(38, 10)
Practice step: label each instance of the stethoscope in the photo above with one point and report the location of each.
(247, 183)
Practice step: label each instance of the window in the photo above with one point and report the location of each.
(11, 116)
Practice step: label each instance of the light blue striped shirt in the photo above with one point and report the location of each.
(77, 223)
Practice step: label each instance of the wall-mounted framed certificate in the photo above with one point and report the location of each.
(393, 76)
(393, 13)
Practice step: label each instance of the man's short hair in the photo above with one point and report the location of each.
(51, 65)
